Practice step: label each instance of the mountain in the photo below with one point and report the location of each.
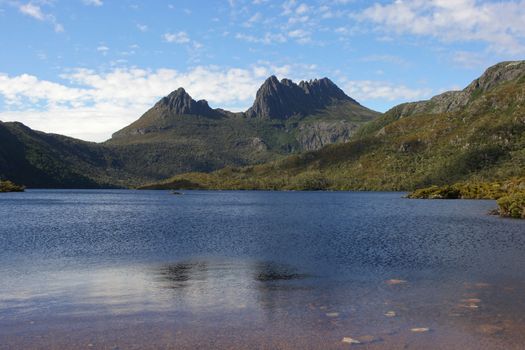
(37, 159)
(179, 134)
(284, 99)
(476, 134)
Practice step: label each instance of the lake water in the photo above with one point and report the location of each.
(123, 269)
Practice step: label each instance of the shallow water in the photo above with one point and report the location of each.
(129, 269)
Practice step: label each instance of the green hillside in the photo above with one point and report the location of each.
(37, 159)
(181, 135)
(477, 134)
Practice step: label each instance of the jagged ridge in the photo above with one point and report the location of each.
(284, 99)
(275, 99)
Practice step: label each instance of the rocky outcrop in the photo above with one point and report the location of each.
(179, 102)
(453, 101)
(315, 135)
(284, 99)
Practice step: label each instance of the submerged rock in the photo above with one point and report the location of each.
(420, 330)
(394, 282)
(369, 339)
(365, 339)
(349, 340)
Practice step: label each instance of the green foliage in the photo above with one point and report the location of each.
(510, 194)
(479, 144)
(513, 205)
(182, 144)
(8, 186)
(436, 192)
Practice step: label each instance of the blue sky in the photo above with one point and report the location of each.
(86, 68)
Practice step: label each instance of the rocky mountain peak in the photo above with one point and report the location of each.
(497, 74)
(179, 102)
(324, 91)
(283, 99)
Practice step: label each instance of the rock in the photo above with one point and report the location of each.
(394, 282)
(284, 99)
(259, 145)
(420, 330)
(179, 102)
(315, 135)
(365, 339)
(369, 339)
(349, 340)
(472, 300)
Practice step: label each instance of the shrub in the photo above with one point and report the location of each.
(8, 186)
(512, 205)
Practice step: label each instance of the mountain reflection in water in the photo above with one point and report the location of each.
(128, 269)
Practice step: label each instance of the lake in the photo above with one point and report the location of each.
(122, 269)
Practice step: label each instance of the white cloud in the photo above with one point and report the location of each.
(253, 19)
(34, 11)
(103, 49)
(500, 25)
(92, 105)
(142, 27)
(300, 35)
(178, 38)
(93, 2)
(267, 38)
(366, 90)
(302, 9)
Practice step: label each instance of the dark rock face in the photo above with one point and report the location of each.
(284, 99)
(179, 102)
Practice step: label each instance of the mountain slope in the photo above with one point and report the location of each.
(180, 134)
(474, 134)
(38, 159)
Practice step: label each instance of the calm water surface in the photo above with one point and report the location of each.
(133, 270)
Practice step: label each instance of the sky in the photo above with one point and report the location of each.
(87, 68)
